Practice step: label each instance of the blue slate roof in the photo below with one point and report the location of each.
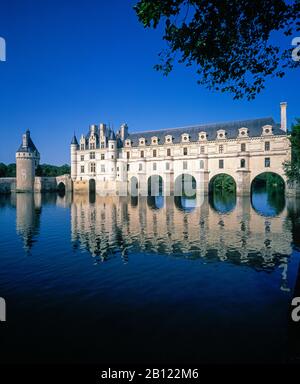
(232, 129)
(74, 140)
(30, 148)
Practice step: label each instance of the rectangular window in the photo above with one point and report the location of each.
(243, 147)
(221, 148)
(102, 145)
(154, 167)
(185, 165)
(92, 145)
(154, 152)
(82, 147)
(128, 155)
(140, 167)
(202, 149)
(102, 168)
(221, 164)
(92, 155)
(82, 169)
(267, 162)
(93, 167)
(142, 154)
(128, 167)
(267, 146)
(168, 152)
(167, 166)
(82, 157)
(185, 151)
(102, 156)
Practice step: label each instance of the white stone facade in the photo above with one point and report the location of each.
(116, 163)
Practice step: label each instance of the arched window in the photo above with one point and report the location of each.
(201, 164)
(243, 163)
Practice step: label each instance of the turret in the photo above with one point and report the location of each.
(27, 160)
(74, 148)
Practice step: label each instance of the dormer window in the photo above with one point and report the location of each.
(168, 139)
(202, 136)
(243, 132)
(267, 130)
(185, 138)
(142, 141)
(154, 140)
(221, 134)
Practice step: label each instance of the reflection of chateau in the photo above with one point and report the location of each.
(116, 225)
(120, 226)
(115, 162)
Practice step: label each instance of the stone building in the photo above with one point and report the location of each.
(162, 160)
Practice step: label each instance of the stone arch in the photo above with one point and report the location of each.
(133, 186)
(155, 185)
(92, 186)
(281, 175)
(185, 185)
(225, 186)
(267, 194)
(61, 188)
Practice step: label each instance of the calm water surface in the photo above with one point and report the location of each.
(149, 280)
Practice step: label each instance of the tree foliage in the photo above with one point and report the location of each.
(292, 168)
(228, 42)
(7, 170)
(224, 183)
(45, 170)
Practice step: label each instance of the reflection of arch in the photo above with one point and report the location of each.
(222, 202)
(185, 185)
(222, 182)
(155, 202)
(61, 189)
(134, 186)
(267, 194)
(185, 204)
(155, 185)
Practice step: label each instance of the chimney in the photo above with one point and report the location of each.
(124, 131)
(25, 139)
(283, 107)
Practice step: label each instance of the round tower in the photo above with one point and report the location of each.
(27, 160)
(74, 148)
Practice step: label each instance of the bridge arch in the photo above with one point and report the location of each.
(155, 185)
(61, 188)
(268, 194)
(133, 187)
(222, 182)
(185, 185)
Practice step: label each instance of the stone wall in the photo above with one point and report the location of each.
(41, 184)
(7, 185)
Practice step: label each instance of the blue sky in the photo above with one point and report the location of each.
(72, 64)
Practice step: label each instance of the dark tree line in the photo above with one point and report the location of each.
(45, 170)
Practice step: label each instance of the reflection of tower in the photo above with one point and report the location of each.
(28, 217)
(27, 159)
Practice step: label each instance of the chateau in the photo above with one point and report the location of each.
(161, 161)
